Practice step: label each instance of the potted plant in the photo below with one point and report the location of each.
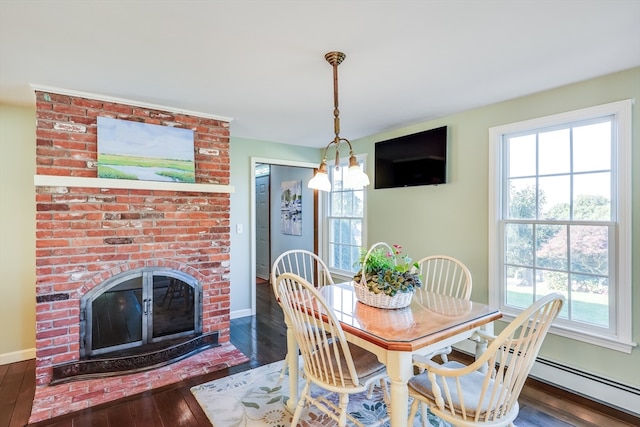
(387, 278)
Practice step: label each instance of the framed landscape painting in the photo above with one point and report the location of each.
(133, 150)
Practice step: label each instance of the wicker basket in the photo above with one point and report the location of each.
(381, 300)
(365, 296)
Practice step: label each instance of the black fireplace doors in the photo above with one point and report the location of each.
(138, 311)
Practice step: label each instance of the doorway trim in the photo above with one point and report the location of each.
(252, 240)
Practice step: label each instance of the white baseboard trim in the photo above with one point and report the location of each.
(240, 313)
(17, 356)
(610, 393)
(30, 353)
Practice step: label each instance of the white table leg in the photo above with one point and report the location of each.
(400, 370)
(294, 367)
(481, 344)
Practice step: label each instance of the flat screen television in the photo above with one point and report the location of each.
(411, 160)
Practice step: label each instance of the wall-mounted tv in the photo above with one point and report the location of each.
(410, 160)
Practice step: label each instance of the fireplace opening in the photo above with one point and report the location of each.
(139, 310)
(138, 320)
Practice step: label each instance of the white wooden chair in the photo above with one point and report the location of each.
(305, 264)
(444, 275)
(466, 396)
(329, 361)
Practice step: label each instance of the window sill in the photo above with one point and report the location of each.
(609, 342)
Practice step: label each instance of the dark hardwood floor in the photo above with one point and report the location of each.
(263, 339)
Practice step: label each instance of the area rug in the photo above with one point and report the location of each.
(257, 398)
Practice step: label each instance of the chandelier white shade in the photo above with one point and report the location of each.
(355, 177)
(320, 180)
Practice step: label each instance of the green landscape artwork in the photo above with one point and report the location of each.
(142, 151)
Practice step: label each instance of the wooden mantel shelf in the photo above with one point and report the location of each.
(75, 181)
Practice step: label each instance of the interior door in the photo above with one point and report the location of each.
(262, 228)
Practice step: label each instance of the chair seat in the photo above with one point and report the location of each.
(471, 385)
(368, 365)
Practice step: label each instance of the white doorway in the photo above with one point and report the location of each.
(264, 246)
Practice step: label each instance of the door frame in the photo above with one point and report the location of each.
(252, 203)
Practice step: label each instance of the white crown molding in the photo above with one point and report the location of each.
(98, 97)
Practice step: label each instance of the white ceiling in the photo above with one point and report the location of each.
(262, 62)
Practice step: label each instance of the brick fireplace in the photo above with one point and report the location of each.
(89, 230)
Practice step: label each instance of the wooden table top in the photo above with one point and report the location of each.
(430, 318)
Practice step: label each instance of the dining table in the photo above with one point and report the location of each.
(432, 321)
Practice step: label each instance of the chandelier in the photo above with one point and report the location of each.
(354, 177)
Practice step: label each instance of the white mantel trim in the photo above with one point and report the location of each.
(75, 181)
(106, 98)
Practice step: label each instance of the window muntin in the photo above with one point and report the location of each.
(345, 217)
(560, 203)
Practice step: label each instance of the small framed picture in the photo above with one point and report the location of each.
(291, 207)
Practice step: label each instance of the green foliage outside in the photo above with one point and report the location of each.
(589, 244)
(587, 308)
(584, 266)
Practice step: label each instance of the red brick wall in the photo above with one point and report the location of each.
(86, 235)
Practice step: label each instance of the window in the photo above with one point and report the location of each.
(560, 214)
(344, 222)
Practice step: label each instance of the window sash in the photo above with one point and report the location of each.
(570, 316)
(618, 335)
(345, 220)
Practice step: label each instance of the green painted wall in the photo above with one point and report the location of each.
(452, 219)
(17, 233)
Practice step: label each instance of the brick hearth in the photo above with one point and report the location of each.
(53, 401)
(85, 235)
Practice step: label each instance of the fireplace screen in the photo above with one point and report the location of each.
(140, 310)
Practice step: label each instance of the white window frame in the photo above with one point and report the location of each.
(620, 338)
(324, 216)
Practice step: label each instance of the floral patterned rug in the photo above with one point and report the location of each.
(256, 398)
